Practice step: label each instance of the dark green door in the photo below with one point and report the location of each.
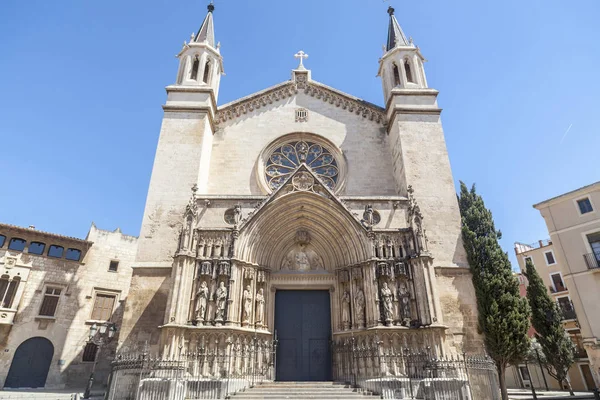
(303, 325)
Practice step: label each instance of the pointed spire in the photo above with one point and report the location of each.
(206, 33)
(395, 35)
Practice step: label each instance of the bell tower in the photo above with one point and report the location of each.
(417, 143)
(200, 61)
(184, 146)
(401, 67)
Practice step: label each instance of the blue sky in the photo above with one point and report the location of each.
(83, 84)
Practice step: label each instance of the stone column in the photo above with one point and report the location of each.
(421, 292)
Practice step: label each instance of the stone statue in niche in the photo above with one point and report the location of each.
(302, 257)
(221, 300)
(201, 302)
(346, 310)
(260, 307)
(359, 307)
(302, 263)
(404, 296)
(247, 309)
(387, 298)
(205, 268)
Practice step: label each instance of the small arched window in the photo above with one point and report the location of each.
(73, 254)
(195, 66)
(409, 74)
(55, 251)
(396, 75)
(206, 75)
(36, 248)
(17, 244)
(2, 240)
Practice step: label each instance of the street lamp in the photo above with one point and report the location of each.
(536, 347)
(107, 332)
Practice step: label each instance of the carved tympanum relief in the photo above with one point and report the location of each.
(302, 257)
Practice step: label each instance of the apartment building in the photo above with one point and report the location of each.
(573, 222)
(543, 256)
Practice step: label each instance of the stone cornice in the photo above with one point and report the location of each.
(191, 108)
(410, 92)
(411, 110)
(284, 90)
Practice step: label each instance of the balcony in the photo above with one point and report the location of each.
(567, 310)
(592, 260)
(558, 289)
(580, 352)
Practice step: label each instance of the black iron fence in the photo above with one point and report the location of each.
(396, 373)
(207, 373)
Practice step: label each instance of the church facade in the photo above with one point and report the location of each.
(300, 213)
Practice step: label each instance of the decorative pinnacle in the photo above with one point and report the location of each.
(211, 7)
(390, 10)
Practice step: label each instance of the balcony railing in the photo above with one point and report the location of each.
(558, 289)
(580, 352)
(568, 311)
(592, 260)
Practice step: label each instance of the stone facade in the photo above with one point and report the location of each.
(301, 186)
(79, 280)
(296, 187)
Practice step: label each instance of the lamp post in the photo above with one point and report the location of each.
(106, 332)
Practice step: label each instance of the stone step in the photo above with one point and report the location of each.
(268, 389)
(342, 395)
(299, 390)
(5, 395)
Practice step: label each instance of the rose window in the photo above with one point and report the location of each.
(285, 159)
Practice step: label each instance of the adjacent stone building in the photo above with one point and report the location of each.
(300, 207)
(53, 289)
(573, 222)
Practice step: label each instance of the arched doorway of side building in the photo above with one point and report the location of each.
(30, 364)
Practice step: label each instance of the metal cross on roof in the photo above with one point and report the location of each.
(301, 55)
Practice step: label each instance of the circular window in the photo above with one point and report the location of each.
(229, 216)
(284, 160)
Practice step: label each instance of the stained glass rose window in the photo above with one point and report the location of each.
(286, 158)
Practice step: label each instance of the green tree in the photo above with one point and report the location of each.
(546, 318)
(503, 313)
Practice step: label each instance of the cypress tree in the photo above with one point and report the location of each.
(503, 313)
(546, 318)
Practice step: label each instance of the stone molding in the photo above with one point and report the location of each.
(284, 90)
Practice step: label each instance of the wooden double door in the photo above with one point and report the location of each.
(303, 325)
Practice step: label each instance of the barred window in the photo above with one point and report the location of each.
(50, 302)
(89, 352)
